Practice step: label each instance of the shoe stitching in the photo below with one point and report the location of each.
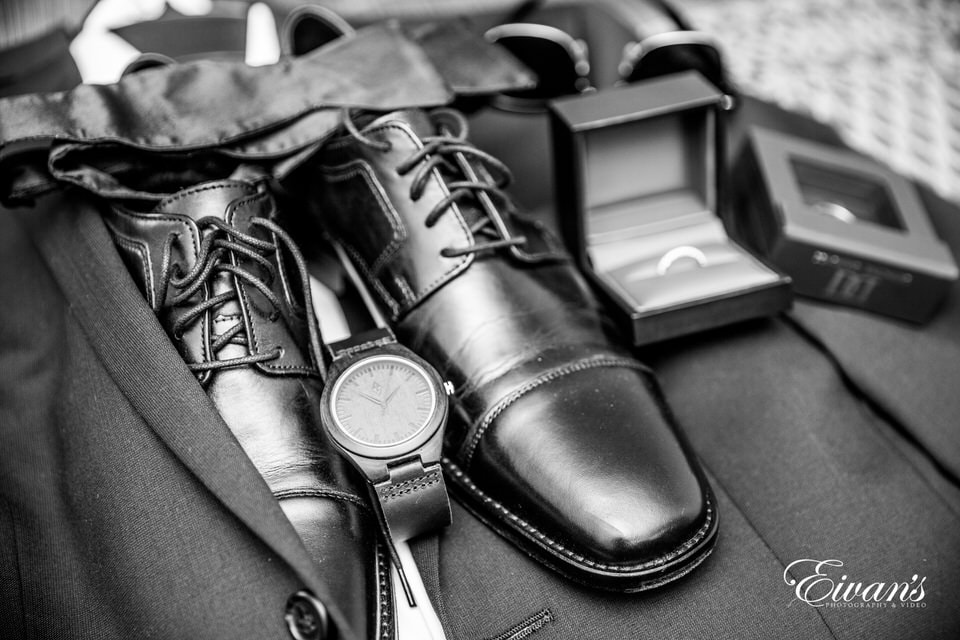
(151, 217)
(371, 279)
(354, 168)
(146, 266)
(209, 187)
(244, 201)
(461, 478)
(492, 414)
(435, 174)
(247, 313)
(255, 347)
(408, 294)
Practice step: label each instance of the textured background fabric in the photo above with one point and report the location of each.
(886, 73)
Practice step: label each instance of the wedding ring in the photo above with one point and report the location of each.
(835, 210)
(682, 252)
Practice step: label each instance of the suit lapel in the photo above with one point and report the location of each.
(71, 236)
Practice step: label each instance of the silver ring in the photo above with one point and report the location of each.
(835, 210)
(679, 253)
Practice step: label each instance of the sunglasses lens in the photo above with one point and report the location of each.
(675, 58)
(554, 65)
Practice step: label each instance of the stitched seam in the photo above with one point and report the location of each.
(248, 315)
(458, 475)
(253, 197)
(408, 293)
(383, 606)
(528, 627)
(371, 279)
(493, 413)
(141, 249)
(156, 216)
(466, 260)
(248, 320)
(284, 494)
(211, 187)
(553, 251)
(379, 342)
(341, 173)
(409, 486)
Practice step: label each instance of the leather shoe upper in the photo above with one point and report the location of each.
(558, 439)
(227, 286)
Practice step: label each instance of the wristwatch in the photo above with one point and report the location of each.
(385, 408)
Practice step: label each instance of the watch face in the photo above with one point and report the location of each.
(383, 401)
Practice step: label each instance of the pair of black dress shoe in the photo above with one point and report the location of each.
(558, 438)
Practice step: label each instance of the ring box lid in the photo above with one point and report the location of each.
(670, 182)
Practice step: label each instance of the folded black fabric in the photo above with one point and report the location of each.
(216, 110)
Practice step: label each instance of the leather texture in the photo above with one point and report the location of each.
(414, 500)
(272, 405)
(558, 439)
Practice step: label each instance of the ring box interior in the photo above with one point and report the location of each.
(846, 229)
(638, 173)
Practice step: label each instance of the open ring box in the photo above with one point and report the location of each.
(639, 172)
(846, 229)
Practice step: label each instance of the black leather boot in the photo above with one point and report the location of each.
(231, 290)
(559, 439)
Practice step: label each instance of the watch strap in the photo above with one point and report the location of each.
(413, 499)
(361, 342)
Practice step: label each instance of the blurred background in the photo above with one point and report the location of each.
(884, 73)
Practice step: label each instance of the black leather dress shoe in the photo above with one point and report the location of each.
(559, 440)
(230, 289)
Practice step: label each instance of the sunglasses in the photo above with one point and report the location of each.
(559, 61)
(673, 52)
(562, 65)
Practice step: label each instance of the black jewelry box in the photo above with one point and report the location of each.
(845, 228)
(639, 174)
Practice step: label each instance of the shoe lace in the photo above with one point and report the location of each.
(450, 152)
(220, 242)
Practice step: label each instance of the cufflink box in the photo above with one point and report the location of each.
(639, 171)
(845, 228)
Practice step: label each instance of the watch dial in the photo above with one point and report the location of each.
(383, 401)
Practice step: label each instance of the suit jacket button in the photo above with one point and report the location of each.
(306, 617)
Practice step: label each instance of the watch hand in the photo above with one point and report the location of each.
(369, 397)
(392, 393)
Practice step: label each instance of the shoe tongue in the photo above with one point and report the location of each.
(207, 199)
(417, 119)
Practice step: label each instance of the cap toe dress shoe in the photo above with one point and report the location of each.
(559, 440)
(229, 288)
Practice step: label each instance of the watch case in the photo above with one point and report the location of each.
(374, 461)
